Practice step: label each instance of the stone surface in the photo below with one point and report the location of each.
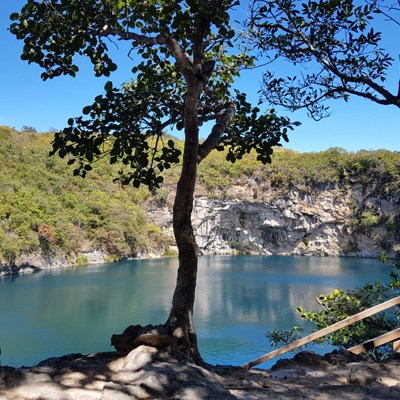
(314, 224)
(145, 373)
(150, 373)
(320, 221)
(309, 376)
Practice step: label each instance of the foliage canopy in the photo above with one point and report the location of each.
(171, 41)
(334, 45)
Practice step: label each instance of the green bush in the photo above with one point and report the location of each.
(81, 260)
(367, 221)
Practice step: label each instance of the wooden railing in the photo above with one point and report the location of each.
(392, 336)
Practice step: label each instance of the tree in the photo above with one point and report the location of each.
(185, 57)
(334, 42)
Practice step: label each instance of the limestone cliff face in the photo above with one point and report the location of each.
(254, 217)
(324, 221)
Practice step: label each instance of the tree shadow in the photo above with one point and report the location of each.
(145, 373)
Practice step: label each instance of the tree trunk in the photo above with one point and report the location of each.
(180, 320)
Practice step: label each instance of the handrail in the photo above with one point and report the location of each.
(375, 342)
(325, 331)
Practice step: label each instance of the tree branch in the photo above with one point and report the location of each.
(178, 53)
(370, 96)
(124, 35)
(184, 65)
(389, 97)
(217, 131)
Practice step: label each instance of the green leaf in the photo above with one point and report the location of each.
(108, 86)
(86, 110)
(14, 16)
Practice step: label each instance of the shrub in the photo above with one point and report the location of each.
(367, 221)
(81, 260)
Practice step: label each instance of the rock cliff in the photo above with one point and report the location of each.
(321, 220)
(256, 217)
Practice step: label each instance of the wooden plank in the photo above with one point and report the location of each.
(396, 346)
(325, 331)
(378, 341)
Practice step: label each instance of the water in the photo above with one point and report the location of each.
(239, 298)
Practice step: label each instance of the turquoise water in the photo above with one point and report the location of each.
(239, 298)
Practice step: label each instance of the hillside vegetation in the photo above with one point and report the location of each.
(45, 208)
(290, 169)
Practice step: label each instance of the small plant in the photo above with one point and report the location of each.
(383, 257)
(9, 249)
(81, 260)
(109, 259)
(242, 219)
(391, 226)
(161, 197)
(307, 240)
(280, 336)
(367, 221)
(171, 252)
(28, 128)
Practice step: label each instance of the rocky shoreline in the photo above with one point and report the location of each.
(163, 374)
(38, 263)
(28, 263)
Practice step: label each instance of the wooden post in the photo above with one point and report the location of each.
(396, 346)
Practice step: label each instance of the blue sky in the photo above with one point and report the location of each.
(26, 100)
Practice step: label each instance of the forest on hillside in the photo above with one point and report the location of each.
(45, 208)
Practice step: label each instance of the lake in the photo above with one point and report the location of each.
(239, 298)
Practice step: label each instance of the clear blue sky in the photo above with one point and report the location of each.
(26, 100)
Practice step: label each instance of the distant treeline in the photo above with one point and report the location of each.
(289, 169)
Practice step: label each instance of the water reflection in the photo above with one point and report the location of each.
(238, 300)
(246, 296)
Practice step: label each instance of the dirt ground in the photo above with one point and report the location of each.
(147, 373)
(338, 376)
